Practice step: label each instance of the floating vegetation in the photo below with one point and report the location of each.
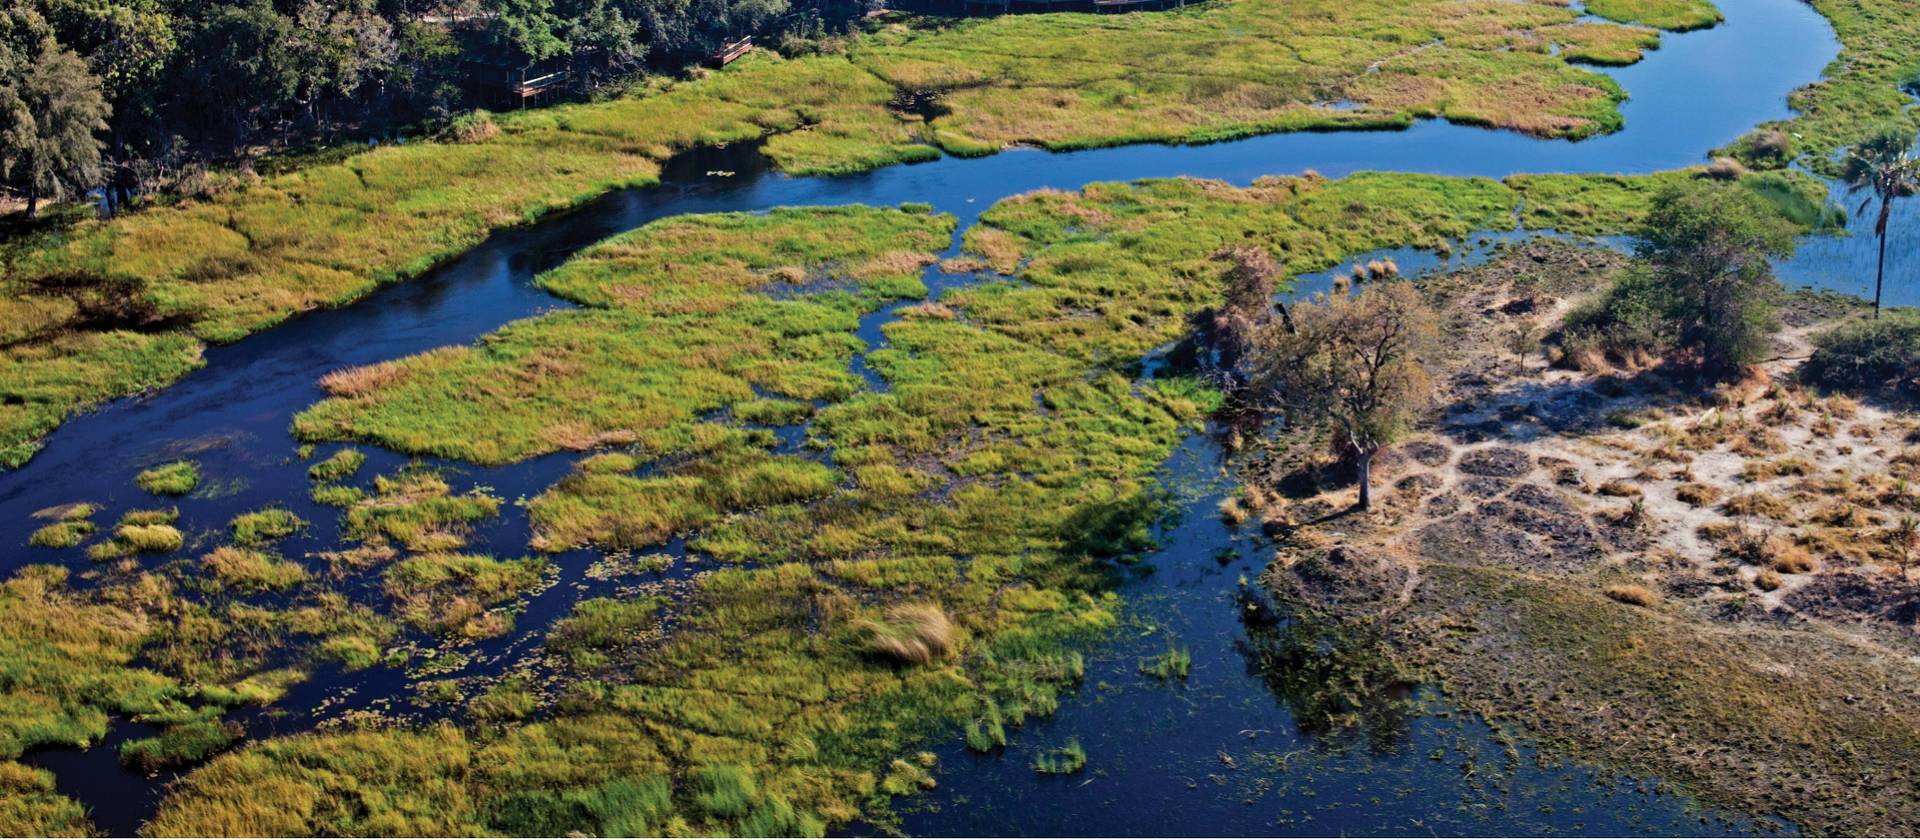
(249, 570)
(264, 526)
(340, 465)
(176, 478)
(1062, 760)
(1172, 665)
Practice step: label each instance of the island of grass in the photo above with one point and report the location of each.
(331, 233)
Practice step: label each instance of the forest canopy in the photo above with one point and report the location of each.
(136, 95)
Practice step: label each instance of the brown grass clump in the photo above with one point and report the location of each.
(1696, 494)
(1616, 487)
(354, 382)
(1768, 580)
(1758, 504)
(1767, 470)
(1232, 512)
(1843, 406)
(1726, 169)
(1845, 515)
(929, 311)
(912, 634)
(1633, 594)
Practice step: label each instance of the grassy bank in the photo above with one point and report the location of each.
(1871, 83)
(103, 309)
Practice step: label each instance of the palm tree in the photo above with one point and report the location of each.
(1883, 167)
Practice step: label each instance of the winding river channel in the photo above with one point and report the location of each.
(1220, 754)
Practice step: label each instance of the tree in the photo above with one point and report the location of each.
(1906, 539)
(1249, 285)
(1882, 166)
(1708, 248)
(241, 68)
(1355, 363)
(51, 113)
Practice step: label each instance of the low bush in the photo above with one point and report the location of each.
(1880, 354)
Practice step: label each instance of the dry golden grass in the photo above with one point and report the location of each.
(912, 634)
(1633, 594)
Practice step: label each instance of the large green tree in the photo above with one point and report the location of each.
(51, 114)
(1711, 246)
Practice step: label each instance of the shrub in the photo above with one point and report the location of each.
(475, 126)
(1868, 355)
(173, 479)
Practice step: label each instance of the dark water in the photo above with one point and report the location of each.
(1700, 90)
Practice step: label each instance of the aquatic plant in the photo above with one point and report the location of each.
(264, 526)
(340, 465)
(1171, 665)
(175, 478)
(248, 570)
(1060, 761)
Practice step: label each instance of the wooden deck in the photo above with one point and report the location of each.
(728, 53)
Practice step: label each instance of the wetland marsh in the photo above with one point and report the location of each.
(793, 492)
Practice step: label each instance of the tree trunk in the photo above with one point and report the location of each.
(33, 200)
(1880, 270)
(1366, 481)
(1879, 275)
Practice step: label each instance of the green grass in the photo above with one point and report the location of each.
(30, 805)
(598, 625)
(451, 594)
(180, 745)
(1862, 89)
(266, 525)
(419, 511)
(176, 478)
(1061, 761)
(1172, 665)
(340, 465)
(247, 570)
(1672, 15)
(69, 664)
(61, 534)
(684, 327)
